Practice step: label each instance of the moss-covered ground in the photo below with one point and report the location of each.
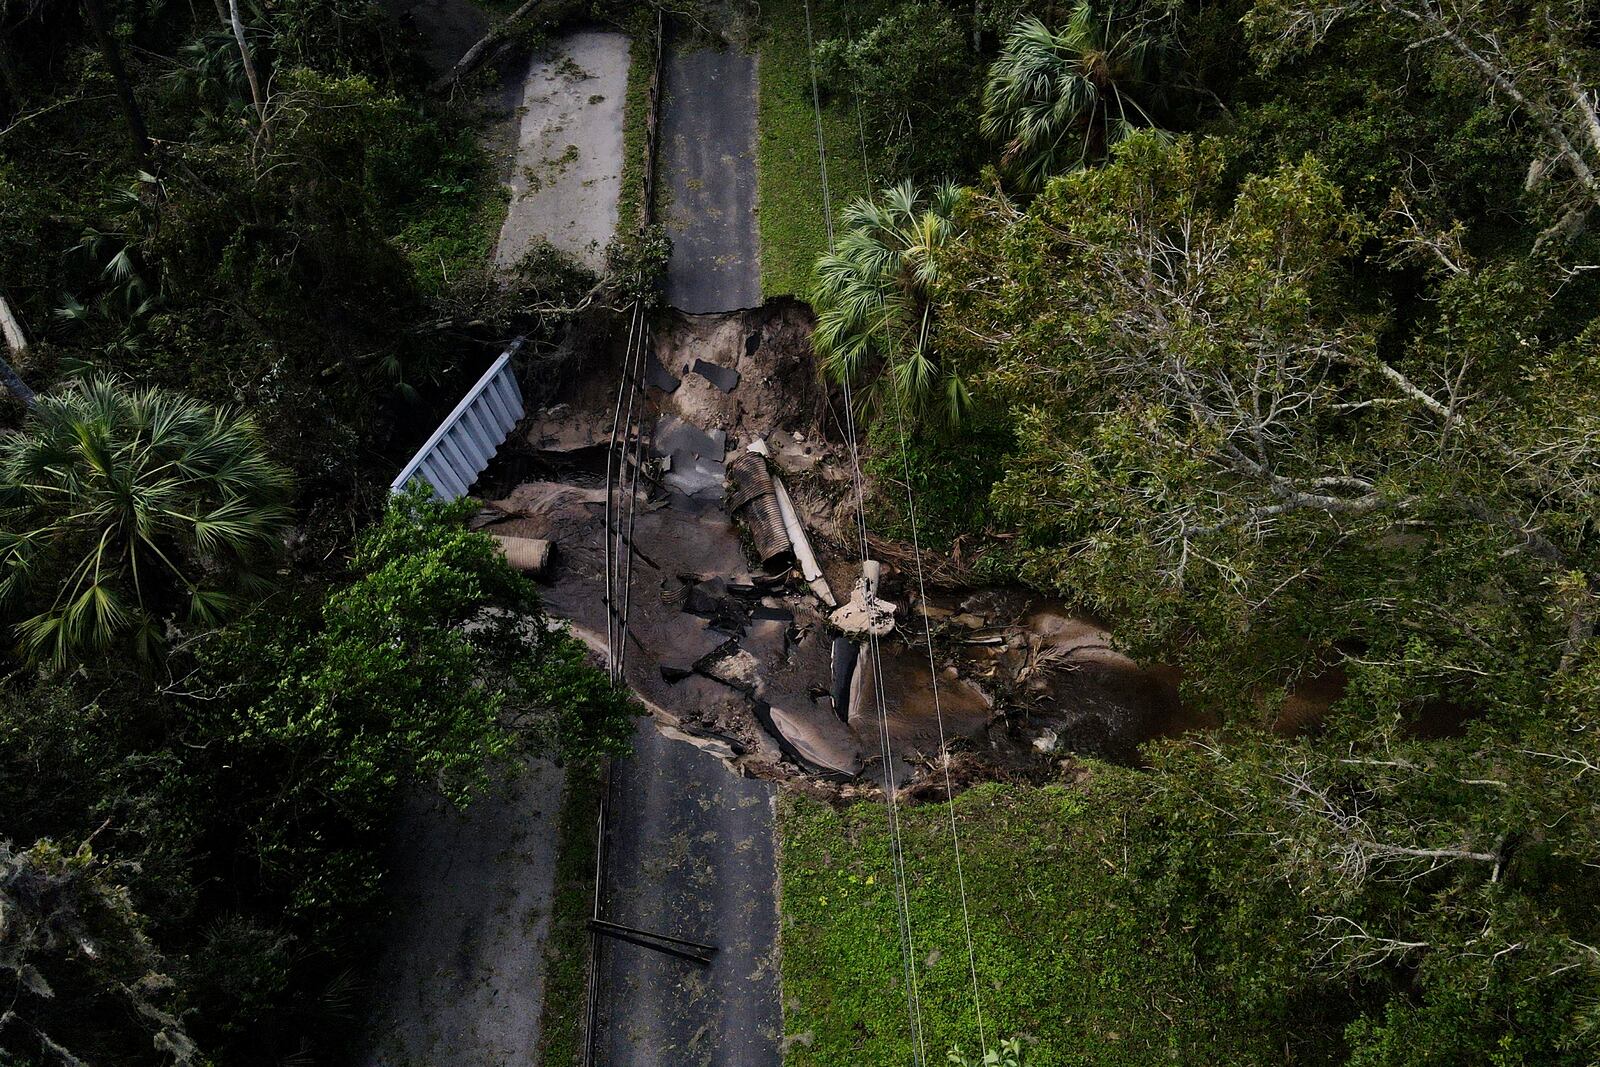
(566, 953)
(635, 117)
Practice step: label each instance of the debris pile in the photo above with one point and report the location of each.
(740, 644)
(865, 614)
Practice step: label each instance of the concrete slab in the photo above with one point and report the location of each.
(709, 168)
(567, 176)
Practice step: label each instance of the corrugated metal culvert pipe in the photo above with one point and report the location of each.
(754, 498)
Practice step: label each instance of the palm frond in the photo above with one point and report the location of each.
(117, 499)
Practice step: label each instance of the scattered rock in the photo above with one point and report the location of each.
(733, 667)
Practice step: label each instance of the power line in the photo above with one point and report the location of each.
(922, 598)
(886, 749)
(938, 714)
(615, 472)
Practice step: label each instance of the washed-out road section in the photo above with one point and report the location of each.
(690, 845)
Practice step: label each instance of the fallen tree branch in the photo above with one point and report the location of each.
(473, 57)
(23, 120)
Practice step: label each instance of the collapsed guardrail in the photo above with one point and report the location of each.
(468, 438)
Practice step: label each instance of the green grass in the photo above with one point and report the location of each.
(452, 227)
(636, 109)
(789, 184)
(1073, 951)
(566, 952)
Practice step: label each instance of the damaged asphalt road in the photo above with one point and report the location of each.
(691, 855)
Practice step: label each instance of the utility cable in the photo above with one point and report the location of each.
(891, 789)
(938, 714)
(616, 474)
(922, 599)
(612, 476)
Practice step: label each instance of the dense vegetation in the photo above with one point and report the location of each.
(1231, 904)
(1273, 325)
(242, 273)
(1265, 329)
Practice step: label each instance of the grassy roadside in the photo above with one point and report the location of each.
(1067, 952)
(566, 952)
(635, 112)
(789, 185)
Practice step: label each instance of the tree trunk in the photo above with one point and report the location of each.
(249, 66)
(222, 11)
(17, 343)
(100, 25)
(477, 53)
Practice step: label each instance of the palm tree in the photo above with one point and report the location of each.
(873, 295)
(122, 509)
(1057, 102)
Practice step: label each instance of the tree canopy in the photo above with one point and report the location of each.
(1203, 402)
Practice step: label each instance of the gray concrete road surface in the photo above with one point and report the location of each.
(567, 174)
(691, 855)
(708, 161)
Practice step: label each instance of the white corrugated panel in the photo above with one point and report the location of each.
(468, 438)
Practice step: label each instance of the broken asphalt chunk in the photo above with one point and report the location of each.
(660, 377)
(817, 740)
(724, 378)
(732, 666)
(694, 465)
